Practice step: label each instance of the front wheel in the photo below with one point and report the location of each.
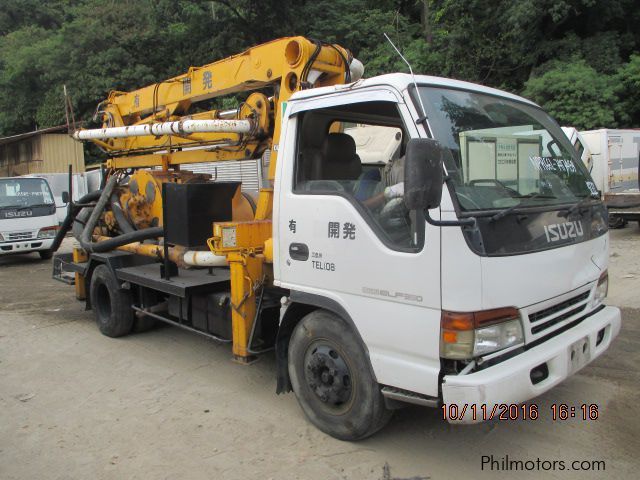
(45, 254)
(332, 378)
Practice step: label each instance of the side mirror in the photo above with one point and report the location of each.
(65, 197)
(423, 174)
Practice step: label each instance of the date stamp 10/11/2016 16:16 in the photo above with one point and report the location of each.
(526, 411)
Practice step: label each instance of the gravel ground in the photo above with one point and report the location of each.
(169, 404)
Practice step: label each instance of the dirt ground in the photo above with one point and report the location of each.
(168, 404)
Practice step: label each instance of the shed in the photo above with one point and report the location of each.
(48, 150)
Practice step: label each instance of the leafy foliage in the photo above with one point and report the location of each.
(579, 59)
(575, 94)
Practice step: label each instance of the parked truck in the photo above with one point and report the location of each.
(81, 184)
(436, 282)
(616, 171)
(28, 222)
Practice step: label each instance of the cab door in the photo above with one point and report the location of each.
(334, 237)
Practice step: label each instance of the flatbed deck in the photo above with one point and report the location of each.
(188, 281)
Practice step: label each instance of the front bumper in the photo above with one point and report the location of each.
(25, 246)
(509, 382)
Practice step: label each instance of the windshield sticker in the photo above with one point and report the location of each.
(507, 153)
(29, 194)
(556, 165)
(593, 189)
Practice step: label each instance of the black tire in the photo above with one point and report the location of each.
(45, 254)
(332, 378)
(111, 303)
(617, 222)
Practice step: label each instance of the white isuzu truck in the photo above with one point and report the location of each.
(419, 240)
(485, 291)
(28, 221)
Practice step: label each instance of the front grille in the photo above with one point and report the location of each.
(20, 236)
(547, 312)
(550, 316)
(554, 321)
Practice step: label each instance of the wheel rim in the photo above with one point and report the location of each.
(103, 298)
(328, 376)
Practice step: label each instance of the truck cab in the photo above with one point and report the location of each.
(490, 295)
(28, 221)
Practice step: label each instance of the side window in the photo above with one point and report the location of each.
(357, 151)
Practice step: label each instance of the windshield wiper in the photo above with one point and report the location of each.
(35, 205)
(507, 211)
(578, 206)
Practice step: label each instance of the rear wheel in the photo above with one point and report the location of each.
(111, 303)
(332, 378)
(617, 222)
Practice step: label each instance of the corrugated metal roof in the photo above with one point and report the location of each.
(22, 136)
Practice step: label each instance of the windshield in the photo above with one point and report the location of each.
(24, 192)
(501, 153)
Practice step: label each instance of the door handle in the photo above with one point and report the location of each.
(299, 251)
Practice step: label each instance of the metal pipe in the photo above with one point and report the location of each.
(158, 307)
(147, 249)
(228, 114)
(204, 259)
(179, 325)
(110, 243)
(182, 127)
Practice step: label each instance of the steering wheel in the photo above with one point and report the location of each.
(394, 213)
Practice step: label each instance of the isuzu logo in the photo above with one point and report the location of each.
(563, 231)
(19, 213)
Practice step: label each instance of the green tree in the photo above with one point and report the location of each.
(94, 46)
(575, 94)
(628, 92)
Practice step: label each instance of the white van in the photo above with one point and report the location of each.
(28, 221)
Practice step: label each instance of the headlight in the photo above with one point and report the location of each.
(48, 232)
(497, 337)
(1, 238)
(601, 289)
(465, 335)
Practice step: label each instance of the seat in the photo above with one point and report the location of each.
(336, 166)
(339, 158)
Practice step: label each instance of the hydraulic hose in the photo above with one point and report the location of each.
(87, 232)
(103, 197)
(118, 213)
(71, 216)
(124, 239)
(112, 243)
